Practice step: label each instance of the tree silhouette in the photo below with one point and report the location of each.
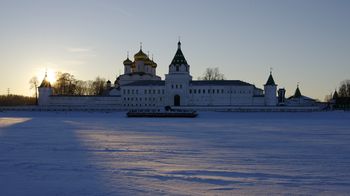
(34, 83)
(212, 74)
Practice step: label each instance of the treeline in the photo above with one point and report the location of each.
(67, 84)
(16, 100)
(344, 89)
(342, 97)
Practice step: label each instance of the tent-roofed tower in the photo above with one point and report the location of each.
(178, 79)
(45, 91)
(179, 63)
(270, 89)
(297, 93)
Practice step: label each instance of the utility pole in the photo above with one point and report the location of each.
(8, 91)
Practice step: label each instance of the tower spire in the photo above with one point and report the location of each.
(179, 44)
(297, 93)
(140, 45)
(127, 54)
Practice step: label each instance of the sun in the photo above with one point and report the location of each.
(51, 75)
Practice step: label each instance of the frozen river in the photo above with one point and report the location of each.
(43, 153)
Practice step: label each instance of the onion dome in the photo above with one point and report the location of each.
(127, 62)
(45, 83)
(148, 61)
(140, 56)
(109, 84)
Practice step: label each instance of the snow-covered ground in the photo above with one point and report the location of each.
(43, 153)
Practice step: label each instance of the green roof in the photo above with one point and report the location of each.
(179, 58)
(270, 81)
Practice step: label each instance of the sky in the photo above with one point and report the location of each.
(303, 41)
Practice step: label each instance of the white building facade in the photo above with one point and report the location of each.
(178, 88)
(140, 87)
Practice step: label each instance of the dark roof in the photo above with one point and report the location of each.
(335, 95)
(219, 83)
(138, 73)
(302, 97)
(45, 83)
(270, 81)
(179, 58)
(297, 93)
(147, 83)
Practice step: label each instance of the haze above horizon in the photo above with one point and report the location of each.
(303, 41)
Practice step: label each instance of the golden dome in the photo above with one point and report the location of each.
(148, 61)
(140, 56)
(127, 62)
(154, 64)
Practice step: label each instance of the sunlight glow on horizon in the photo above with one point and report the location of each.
(304, 41)
(51, 75)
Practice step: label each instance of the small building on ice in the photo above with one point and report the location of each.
(300, 100)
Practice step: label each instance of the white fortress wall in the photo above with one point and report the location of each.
(112, 101)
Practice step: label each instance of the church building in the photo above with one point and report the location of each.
(140, 87)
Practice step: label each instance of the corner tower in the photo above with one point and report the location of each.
(270, 89)
(45, 91)
(178, 79)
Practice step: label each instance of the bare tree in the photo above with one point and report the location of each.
(81, 87)
(34, 83)
(89, 87)
(344, 89)
(98, 86)
(328, 98)
(65, 84)
(212, 74)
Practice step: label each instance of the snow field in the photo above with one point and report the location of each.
(47, 153)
